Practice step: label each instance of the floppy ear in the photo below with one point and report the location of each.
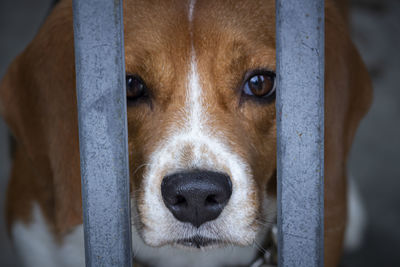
(38, 101)
(6, 105)
(348, 94)
(360, 94)
(19, 112)
(348, 85)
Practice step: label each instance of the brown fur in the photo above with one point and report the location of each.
(38, 101)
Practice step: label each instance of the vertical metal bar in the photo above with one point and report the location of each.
(100, 82)
(300, 136)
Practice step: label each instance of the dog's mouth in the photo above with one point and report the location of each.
(199, 241)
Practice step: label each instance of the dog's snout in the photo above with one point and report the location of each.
(196, 196)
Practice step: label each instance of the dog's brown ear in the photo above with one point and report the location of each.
(348, 95)
(34, 85)
(7, 107)
(38, 102)
(348, 92)
(16, 105)
(361, 93)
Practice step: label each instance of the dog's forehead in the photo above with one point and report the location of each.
(174, 26)
(250, 19)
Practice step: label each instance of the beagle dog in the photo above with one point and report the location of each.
(200, 79)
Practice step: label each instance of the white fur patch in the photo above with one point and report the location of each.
(37, 247)
(356, 218)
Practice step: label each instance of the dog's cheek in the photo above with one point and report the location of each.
(261, 145)
(136, 162)
(262, 150)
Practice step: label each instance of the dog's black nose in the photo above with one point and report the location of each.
(196, 196)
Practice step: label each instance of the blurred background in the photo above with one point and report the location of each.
(375, 157)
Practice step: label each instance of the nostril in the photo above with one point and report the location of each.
(211, 200)
(180, 201)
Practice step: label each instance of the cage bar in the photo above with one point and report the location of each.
(101, 96)
(300, 131)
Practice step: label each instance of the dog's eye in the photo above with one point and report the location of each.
(260, 84)
(135, 87)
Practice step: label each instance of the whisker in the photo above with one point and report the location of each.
(140, 166)
(259, 247)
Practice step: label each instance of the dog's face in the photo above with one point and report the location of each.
(201, 117)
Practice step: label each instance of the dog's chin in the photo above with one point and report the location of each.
(196, 241)
(204, 238)
(199, 242)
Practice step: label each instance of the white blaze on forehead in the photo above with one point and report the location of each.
(193, 94)
(191, 9)
(195, 111)
(194, 101)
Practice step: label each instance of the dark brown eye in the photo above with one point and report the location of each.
(260, 85)
(135, 87)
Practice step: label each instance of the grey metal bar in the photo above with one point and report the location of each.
(100, 82)
(300, 136)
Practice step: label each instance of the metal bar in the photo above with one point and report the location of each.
(100, 82)
(300, 131)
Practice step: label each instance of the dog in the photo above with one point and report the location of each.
(201, 129)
